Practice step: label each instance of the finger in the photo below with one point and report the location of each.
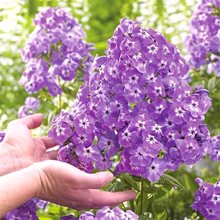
(94, 181)
(96, 198)
(31, 121)
(48, 142)
(21, 127)
(52, 155)
(80, 179)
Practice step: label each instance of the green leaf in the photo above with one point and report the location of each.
(162, 216)
(44, 218)
(212, 84)
(143, 217)
(160, 192)
(171, 180)
(32, 7)
(143, 202)
(146, 216)
(146, 202)
(130, 181)
(189, 182)
(118, 185)
(51, 115)
(124, 181)
(137, 178)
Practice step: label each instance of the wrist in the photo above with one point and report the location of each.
(18, 187)
(35, 171)
(41, 178)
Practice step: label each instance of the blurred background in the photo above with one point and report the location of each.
(99, 19)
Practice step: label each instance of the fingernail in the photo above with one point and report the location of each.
(133, 193)
(40, 114)
(109, 176)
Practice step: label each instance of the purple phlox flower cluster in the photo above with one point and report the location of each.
(2, 135)
(207, 199)
(68, 217)
(106, 213)
(27, 211)
(136, 106)
(214, 148)
(204, 40)
(74, 131)
(138, 94)
(41, 204)
(30, 106)
(56, 50)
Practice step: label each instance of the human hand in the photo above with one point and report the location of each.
(66, 185)
(20, 148)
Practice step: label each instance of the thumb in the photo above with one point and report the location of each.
(31, 121)
(21, 127)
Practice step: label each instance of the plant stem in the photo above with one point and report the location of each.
(60, 102)
(124, 206)
(110, 171)
(142, 195)
(60, 97)
(61, 211)
(132, 207)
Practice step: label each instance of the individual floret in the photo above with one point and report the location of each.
(30, 106)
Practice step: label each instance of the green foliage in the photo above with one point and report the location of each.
(169, 17)
(53, 212)
(105, 16)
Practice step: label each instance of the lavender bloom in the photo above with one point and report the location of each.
(41, 204)
(214, 148)
(25, 212)
(87, 216)
(74, 132)
(207, 199)
(2, 135)
(204, 40)
(69, 154)
(68, 217)
(128, 215)
(30, 106)
(55, 50)
(137, 106)
(145, 102)
(106, 213)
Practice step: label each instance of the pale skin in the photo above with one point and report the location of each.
(33, 173)
(20, 148)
